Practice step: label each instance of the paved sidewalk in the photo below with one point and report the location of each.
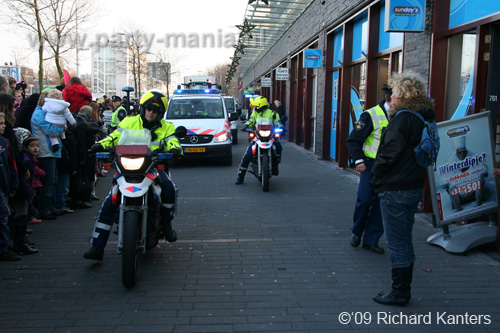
(286, 266)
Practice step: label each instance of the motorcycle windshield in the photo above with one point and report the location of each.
(135, 137)
(264, 123)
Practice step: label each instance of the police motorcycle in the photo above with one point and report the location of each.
(263, 138)
(137, 190)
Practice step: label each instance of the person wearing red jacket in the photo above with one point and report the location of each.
(76, 94)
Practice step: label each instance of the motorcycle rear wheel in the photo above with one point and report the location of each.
(129, 249)
(265, 173)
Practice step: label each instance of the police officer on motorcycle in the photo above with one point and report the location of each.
(152, 108)
(260, 110)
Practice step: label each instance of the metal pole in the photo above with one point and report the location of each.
(77, 44)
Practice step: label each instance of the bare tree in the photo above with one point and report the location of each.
(52, 21)
(168, 66)
(220, 72)
(61, 31)
(131, 54)
(30, 16)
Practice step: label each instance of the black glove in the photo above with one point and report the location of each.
(244, 129)
(96, 148)
(176, 152)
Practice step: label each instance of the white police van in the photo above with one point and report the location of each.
(231, 107)
(205, 116)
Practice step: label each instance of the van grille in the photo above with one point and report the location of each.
(201, 139)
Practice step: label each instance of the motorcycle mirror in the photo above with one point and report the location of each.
(180, 132)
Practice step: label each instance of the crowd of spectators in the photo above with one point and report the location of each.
(46, 169)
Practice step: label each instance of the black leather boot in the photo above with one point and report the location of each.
(276, 162)
(410, 278)
(20, 240)
(240, 177)
(96, 252)
(169, 232)
(400, 289)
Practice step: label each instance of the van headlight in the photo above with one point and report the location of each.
(222, 138)
(132, 163)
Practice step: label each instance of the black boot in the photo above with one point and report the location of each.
(96, 252)
(20, 243)
(276, 161)
(240, 177)
(410, 278)
(169, 232)
(400, 289)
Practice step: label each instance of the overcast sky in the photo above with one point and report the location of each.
(185, 22)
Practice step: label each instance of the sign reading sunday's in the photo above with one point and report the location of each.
(404, 16)
(463, 185)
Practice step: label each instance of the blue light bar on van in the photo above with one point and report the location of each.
(196, 91)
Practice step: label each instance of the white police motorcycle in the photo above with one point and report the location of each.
(137, 190)
(263, 138)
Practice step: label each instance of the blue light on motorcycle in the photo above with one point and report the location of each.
(165, 156)
(278, 130)
(102, 155)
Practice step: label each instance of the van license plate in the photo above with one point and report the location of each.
(195, 150)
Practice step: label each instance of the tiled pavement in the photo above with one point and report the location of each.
(246, 261)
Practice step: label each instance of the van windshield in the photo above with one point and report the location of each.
(195, 108)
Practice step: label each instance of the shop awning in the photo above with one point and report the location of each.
(270, 21)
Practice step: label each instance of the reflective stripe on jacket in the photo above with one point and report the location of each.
(380, 121)
(268, 114)
(165, 131)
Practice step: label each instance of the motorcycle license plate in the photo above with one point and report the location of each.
(195, 150)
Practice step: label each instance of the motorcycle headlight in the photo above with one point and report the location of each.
(132, 163)
(222, 138)
(264, 133)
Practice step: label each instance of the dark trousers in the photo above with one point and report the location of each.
(367, 215)
(48, 192)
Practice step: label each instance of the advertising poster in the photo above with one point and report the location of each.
(313, 58)
(463, 184)
(405, 16)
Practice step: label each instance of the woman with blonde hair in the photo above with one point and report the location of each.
(399, 180)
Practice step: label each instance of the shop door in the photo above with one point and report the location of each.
(313, 112)
(335, 104)
(493, 84)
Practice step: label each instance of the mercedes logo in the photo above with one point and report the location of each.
(193, 139)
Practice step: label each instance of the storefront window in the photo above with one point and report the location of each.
(460, 68)
(383, 75)
(358, 79)
(387, 65)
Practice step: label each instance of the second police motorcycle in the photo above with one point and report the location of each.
(264, 135)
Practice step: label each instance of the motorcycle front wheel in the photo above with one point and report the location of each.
(265, 172)
(129, 249)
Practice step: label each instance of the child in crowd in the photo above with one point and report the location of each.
(8, 187)
(28, 154)
(57, 114)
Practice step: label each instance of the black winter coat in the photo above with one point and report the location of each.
(68, 161)
(395, 166)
